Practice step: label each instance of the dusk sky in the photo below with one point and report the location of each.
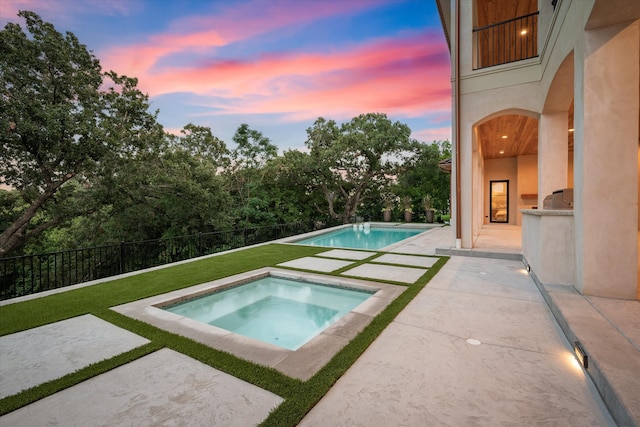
(276, 65)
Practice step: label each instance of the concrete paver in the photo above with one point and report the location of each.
(38, 355)
(325, 265)
(412, 260)
(162, 388)
(386, 272)
(346, 254)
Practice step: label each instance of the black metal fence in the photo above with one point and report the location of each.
(507, 41)
(29, 274)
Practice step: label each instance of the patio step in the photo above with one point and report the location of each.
(613, 358)
(511, 256)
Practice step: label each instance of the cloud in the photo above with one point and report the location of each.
(58, 10)
(432, 134)
(407, 76)
(139, 60)
(209, 60)
(241, 20)
(234, 22)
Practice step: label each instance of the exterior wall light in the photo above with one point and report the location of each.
(581, 355)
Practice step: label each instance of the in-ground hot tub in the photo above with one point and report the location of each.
(277, 310)
(301, 362)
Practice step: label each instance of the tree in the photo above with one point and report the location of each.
(421, 177)
(356, 158)
(58, 125)
(172, 187)
(253, 150)
(287, 187)
(202, 144)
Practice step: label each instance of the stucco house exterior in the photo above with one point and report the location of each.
(546, 106)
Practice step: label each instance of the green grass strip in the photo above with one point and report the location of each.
(30, 395)
(293, 409)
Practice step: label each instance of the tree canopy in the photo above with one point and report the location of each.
(355, 158)
(421, 177)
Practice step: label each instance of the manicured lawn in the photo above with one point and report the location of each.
(299, 396)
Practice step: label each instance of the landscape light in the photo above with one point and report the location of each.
(581, 355)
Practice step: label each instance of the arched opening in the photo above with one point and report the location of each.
(508, 147)
(556, 149)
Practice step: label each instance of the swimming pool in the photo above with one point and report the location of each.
(361, 237)
(284, 312)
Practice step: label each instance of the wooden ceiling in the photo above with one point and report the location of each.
(510, 135)
(493, 11)
(513, 135)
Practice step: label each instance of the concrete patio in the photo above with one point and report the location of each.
(478, 346)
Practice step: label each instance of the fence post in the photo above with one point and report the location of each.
(121, 257)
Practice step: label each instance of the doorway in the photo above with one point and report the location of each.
(499, 201)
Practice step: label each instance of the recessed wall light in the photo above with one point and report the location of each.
(571, 130)
(501, 151)
(581, 355)
(504, 137)
(523, 32)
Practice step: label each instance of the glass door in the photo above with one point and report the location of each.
(499, 200)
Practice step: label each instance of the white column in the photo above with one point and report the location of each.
(553, 153)
(605, 162)
(466, 181)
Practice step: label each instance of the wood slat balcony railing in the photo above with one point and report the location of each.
(507, 41)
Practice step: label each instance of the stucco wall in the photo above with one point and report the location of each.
(606, 175)
(548, 245)
(527, 183)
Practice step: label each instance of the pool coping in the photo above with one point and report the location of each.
(293, 240)
(302, 363)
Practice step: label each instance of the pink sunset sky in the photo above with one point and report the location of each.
(276, 65)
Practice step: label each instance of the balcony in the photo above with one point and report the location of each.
(507, 41)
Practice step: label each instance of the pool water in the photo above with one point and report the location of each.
(283, 312)
(361, 238)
